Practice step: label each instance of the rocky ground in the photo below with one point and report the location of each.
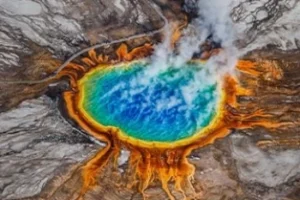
(41, 153)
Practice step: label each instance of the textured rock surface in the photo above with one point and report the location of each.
(64, 27)
(37, 145)
(37, 36)
(261, 22)
(265, 174)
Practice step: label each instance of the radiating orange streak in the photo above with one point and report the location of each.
(294, 143)
(138, 52)
(93, 55)
(272, 71)
(247, 67)
(177, 33)
(94, 167)
(88, 62)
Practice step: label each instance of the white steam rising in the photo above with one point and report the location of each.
(214, 20)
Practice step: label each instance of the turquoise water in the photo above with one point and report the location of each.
(169, 106)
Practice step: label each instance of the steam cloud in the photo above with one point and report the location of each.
(214, 21)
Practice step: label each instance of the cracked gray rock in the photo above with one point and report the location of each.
(259, 23)
(36, 144)
(265, 174)
(64, 27)
(268, 22)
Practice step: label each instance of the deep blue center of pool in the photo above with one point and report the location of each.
(169, 106)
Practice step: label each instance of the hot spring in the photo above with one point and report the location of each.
(166, 106)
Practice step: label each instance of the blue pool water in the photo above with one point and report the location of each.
(167, 107)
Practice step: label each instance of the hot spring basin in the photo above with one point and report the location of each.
(148, 105)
